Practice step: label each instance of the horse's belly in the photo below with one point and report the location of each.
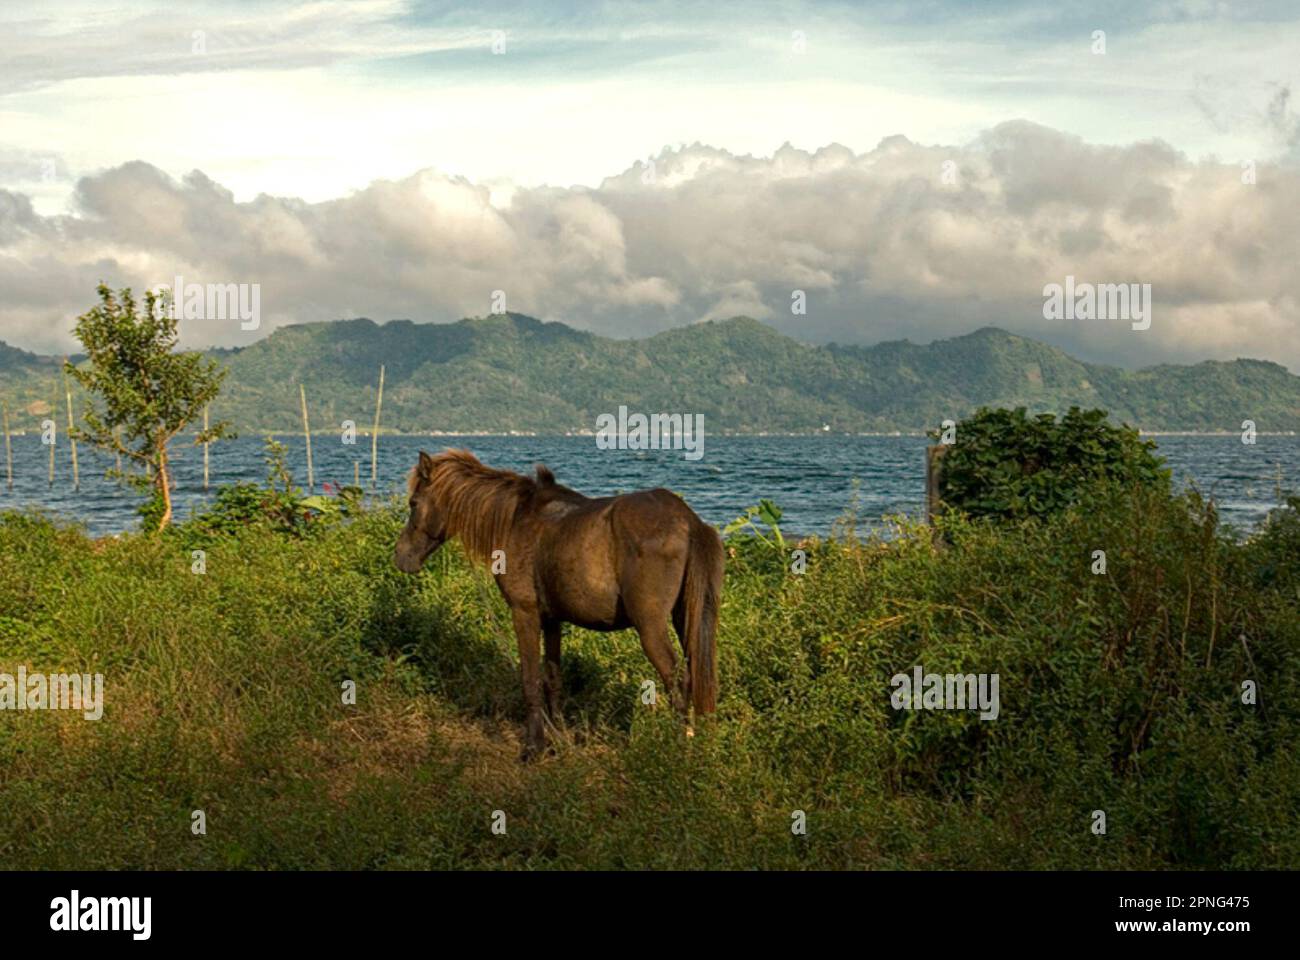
(587, 595)
(593, 609)
(601, 626)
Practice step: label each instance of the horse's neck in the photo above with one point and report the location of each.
(502, 493)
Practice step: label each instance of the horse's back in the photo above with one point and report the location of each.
(603, 555)
(650, 518)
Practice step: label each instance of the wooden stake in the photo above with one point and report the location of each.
(9, 454)
(205, 448)
(53, 437)
(117, 455)
(934, 481)
(374, 437)
(356, 473)
(306, 431)
(72, 443)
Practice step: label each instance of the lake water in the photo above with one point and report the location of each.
(810, 478)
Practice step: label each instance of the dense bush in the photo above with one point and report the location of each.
(238, 506)
(278, 505)
(1120, 692)
(1007, 465)
(1277, 547)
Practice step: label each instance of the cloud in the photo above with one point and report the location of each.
(79, 41)
(904, 240)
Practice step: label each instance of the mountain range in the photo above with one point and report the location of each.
(510, 372)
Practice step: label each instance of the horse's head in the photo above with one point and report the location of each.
(425, 527)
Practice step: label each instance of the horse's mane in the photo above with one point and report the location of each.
(477, 502)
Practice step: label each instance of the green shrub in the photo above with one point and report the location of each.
(1275, 547)
(747, 526)
(1006, 465)
(278, 505)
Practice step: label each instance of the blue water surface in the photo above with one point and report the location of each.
(812, 478)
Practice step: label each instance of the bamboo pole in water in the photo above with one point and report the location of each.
(54, 432)
(374, 436)
(117, 455)
(356, 473)
(9, 454)
(205, 448)
(306, 431)
(72, 443)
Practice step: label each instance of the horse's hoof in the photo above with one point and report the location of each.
(534, 748)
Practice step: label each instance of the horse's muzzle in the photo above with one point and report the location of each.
(404, 562)
(410, 560)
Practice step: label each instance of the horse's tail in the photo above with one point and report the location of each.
(702, 594)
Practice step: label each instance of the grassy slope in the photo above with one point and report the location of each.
(223, 694)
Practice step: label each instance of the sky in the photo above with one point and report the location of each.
(914, 170)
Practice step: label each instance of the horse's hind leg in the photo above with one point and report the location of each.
(658, 646)
(551, 676)
(527, 630)
(649, 594)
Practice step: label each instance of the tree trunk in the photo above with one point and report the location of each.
(163, 478)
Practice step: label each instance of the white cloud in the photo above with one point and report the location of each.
(313, 100)
(883, 247)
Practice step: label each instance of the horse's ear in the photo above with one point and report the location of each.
(426, 465)
(544, 475)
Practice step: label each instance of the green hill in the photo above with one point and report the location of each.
(29, 386)
(514, 373)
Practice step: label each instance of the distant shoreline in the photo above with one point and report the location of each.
(729, 434)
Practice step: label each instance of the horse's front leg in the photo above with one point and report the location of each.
(528, 632)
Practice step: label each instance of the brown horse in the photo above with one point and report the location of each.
(559, 557)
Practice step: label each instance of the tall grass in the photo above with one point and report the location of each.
(1120, 692)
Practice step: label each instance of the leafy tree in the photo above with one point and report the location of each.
(146, 391)
(1007, 465)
